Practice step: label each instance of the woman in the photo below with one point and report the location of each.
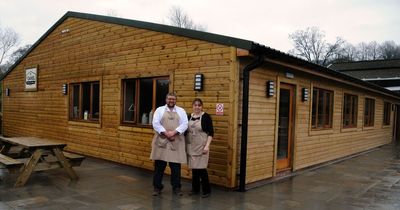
(199, 135)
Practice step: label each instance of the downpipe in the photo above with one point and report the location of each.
(245, 117)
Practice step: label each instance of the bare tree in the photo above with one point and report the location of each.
(362, 51)
(177, 17)
(311, 45)
(8, 39)
(373, 50)
(389, 50)
(369, 51)
(348, 53)
(18, 53)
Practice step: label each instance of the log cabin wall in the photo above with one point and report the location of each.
(310, 146)
(105, 52)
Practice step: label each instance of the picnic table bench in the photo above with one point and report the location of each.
(36, 154)
(9, 163)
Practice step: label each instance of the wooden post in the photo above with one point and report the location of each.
(28, 168)
(64, 163)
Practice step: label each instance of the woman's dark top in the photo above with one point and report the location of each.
(206, 123)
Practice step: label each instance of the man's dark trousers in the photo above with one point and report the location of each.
(159, 168)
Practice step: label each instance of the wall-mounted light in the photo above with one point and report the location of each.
(198, 82)
(65, 89)
(270, 88)
(304, 94)
(7, 91)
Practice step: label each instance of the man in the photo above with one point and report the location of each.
(169, 122)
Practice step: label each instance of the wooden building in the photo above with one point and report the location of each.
(93, 81)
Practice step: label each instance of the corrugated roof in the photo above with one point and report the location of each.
(253, 47)
(372, 74)
(370, 69)
(367, 65)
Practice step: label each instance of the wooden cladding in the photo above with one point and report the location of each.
(112, 54)
(330, 103)
(322, 108)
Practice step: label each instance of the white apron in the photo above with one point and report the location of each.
(196, 140)
(162, 148)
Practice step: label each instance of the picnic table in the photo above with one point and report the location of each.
(35, 154)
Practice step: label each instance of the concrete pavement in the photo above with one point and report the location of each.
(368, 181)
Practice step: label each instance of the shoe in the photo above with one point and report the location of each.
(206, 195)
(178, 192)
(193, 193)
(156, 192)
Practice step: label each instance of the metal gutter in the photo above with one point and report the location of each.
(379, 78)
(245, 118)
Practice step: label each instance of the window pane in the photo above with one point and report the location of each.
(349, 110)
(129, 106)
(321, 114)
(355, 110)
(372, 117)
(162, 88)
(322, 107)
(366, 112)
(145, 99)
(346, 110)
(386, 113)
(86, 100)
(75, 101)
(369, 113)
(283, 127)
(96, 101)
(328, 109)
(314, 108)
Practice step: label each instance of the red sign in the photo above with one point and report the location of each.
(219, 109)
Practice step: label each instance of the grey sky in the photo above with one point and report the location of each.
(265, 21)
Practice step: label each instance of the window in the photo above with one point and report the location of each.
(322, 108)
(350, 106)
(141, 98)
(386, 113)
(85, 101)
(369, 112)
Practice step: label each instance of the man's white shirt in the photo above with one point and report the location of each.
(158, 114)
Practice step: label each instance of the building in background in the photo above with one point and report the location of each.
(385, 73)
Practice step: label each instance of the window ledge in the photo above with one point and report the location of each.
(321, 131)
(368, 128)
(136, 128)
(386, 126)
(85, 124)
(351, 129)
